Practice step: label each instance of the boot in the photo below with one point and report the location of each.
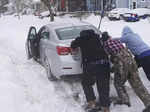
(92, 107)
(121, 103)
(147, 109)
(118, 101)
(105, 109)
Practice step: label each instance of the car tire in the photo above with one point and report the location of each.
(110, 18)
(119, 18)
(49, 73)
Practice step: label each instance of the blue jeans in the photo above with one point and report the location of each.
(145, 63)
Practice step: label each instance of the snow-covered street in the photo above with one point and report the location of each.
(24, 86)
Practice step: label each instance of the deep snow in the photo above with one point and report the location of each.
(23, 83)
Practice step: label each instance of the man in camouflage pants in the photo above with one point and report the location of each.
(125, 68)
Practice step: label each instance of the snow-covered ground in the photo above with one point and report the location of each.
(24, 86)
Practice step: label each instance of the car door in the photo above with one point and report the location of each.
(31, 43)
(44, 38)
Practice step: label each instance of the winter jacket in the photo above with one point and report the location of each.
(133, 42)
(90, 46)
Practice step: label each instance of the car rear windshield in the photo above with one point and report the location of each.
(73, 32)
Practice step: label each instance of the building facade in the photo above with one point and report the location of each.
(94, 5)
(98, 5)
(132, 4)
(122, 3)
(76, 5)
(83, 5)
(143, 3)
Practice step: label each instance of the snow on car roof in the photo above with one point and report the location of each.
(45, 13)
(141, 11)
(120, 10)
(56, 25)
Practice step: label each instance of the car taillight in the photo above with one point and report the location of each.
(133, 15)
(63, 50)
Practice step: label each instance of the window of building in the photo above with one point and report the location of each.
(142, 0)
(134, 5)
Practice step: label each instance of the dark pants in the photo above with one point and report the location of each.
(101, 75)
(145, 63)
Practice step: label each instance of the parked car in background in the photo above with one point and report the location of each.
(142, 12)
(116, 14)
(47, 13)
(9, 13)
(36, 13)
(50, 46)
(44, 14)
(130, 17)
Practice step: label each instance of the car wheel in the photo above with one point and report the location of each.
(119, 18)
(110, 18)
(49, 73)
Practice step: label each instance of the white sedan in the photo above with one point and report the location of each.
(117, 13)
(142, 12)
(51, 48)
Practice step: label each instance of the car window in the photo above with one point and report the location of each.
(32, 34)
(44, 33)
(73, 32)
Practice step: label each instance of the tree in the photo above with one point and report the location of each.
(19, 5)
(49, 4)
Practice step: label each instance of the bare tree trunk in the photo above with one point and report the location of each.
(48, 4)
(18, 3)
(67, 8)
(51, 14)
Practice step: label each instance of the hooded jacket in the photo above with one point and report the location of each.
(133, 42)
(90, 45)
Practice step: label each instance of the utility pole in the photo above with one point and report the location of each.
(0, 7)
(102, 7)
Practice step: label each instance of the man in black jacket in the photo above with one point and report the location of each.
(95, 69)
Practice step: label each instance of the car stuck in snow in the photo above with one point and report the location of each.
(50, 46)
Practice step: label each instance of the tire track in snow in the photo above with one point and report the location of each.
(38, 92)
